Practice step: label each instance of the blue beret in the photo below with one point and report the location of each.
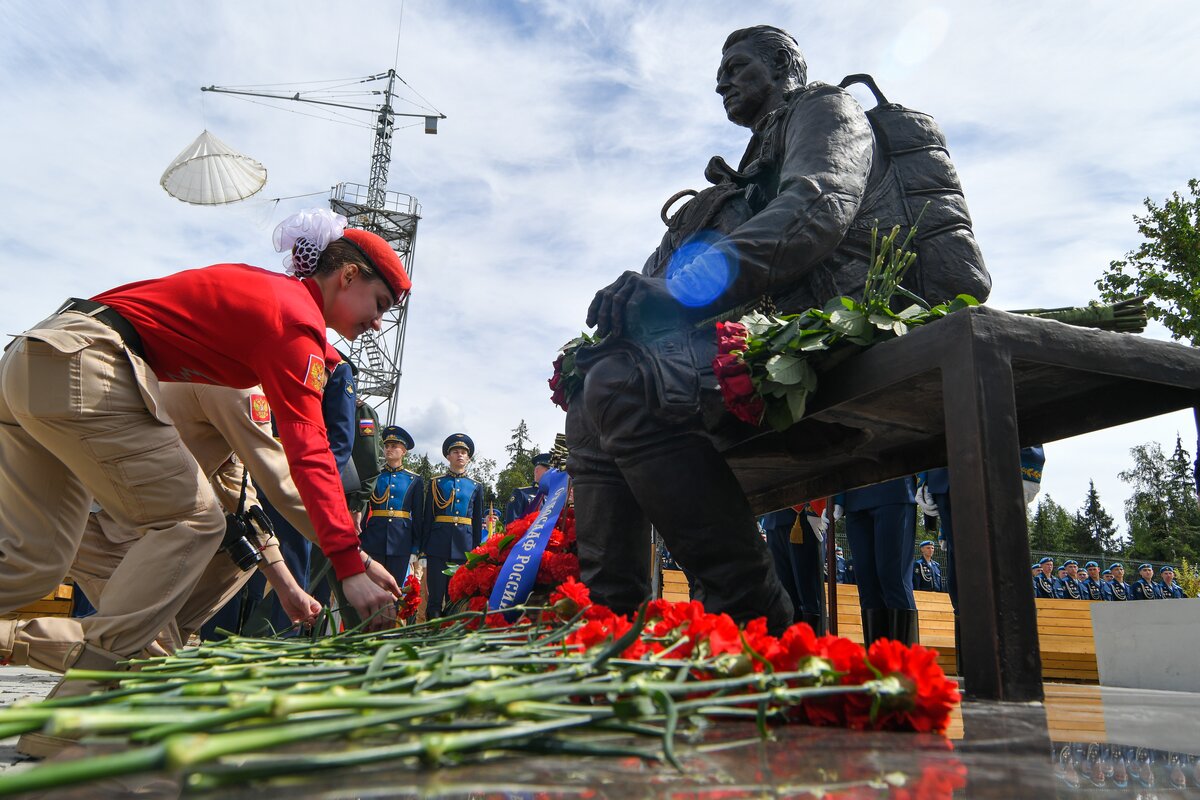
(1115, 566)
(458, 440)
(1106, 572)
(926, 542)
(1069, 562)
(1091, 564)
(1166, 568)
(541, 460)
(1145, 566)
(394, 433)
(1035, 566)
(1044, 559)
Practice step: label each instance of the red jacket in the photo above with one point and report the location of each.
(237, 325)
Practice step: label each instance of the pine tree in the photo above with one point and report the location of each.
(1093, 526)
(1050, 528)
(1162, 512)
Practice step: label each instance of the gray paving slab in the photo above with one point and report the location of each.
(17, 683)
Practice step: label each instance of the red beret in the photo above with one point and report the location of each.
(383, 258)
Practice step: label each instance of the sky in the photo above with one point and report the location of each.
(568, 124)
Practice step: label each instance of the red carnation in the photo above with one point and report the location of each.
(928, 698)
(570, 598)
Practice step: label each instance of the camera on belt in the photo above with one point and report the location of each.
(239, 538)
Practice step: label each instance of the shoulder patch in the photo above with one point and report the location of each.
(350, 388)
(366, 427)
(260, 409)
(315, 376)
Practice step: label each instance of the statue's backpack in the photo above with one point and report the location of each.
(948, 258)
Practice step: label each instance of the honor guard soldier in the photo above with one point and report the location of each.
(1170, 589)
(397, 498)
(1044, 583)
(927, 573)
(1091, 584)
(1145, 588)
(453, 518)
(1070, 583)
(880, 527)
(1117, 589)
(525, 498)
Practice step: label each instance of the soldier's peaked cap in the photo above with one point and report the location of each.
(458, 440)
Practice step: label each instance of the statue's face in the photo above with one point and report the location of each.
(748, 85)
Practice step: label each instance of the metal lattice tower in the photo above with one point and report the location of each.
(378, 357)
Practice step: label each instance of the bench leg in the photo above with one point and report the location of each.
(1000, 659)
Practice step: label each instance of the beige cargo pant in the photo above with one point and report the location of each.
(80, 419)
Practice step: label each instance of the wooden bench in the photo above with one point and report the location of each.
(56, 604)
(967, 392)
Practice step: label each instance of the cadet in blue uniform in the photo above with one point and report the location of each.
(1146, 588)
(1044, 583)
(880, 527)
(927, 573)
(1091, 584)
(525, 499)
(1117, 589)
(397, 498)
(1070, 582)
(843, 567)
(1170, 589)
(453, 518)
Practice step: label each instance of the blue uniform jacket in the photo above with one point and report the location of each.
(521, 503)
(453, 517)
(927, 577)
(338, 407)
(1091, 589)
(1143, 590)
(1044, 586)
(1071, 589)
(1172, 592)
(1116, 591)
(397, 508)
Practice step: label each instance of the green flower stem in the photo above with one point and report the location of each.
(70, 773)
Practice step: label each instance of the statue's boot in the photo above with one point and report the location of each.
(875, 625)
(613, 537)
(903, 625)
(688, 490)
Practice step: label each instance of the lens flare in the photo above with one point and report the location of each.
(700, 270)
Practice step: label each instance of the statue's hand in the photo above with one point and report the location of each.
(635, 305)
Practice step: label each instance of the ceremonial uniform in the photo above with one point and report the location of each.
(796, 550)
(1070, 587)
(927, 575)
(1172, 590)
(397, 506)
(453, 524)
(880, 527)
(1043, 584)
(1116, 589)
(1145, 588)
(1090, 586)
(526, 499)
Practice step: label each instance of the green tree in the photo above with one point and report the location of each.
(1162, 512)
(519, 470)
(1093, 529)
(483, 470)
(1050, 527)
(1166, 268)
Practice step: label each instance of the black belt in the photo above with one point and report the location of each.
(109, 317)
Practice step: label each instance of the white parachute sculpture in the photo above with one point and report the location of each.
(209, 172)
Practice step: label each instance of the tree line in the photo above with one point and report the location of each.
(1162, 514)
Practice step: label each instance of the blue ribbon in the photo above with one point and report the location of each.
(520, 569)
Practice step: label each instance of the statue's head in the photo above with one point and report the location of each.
(759, 67)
